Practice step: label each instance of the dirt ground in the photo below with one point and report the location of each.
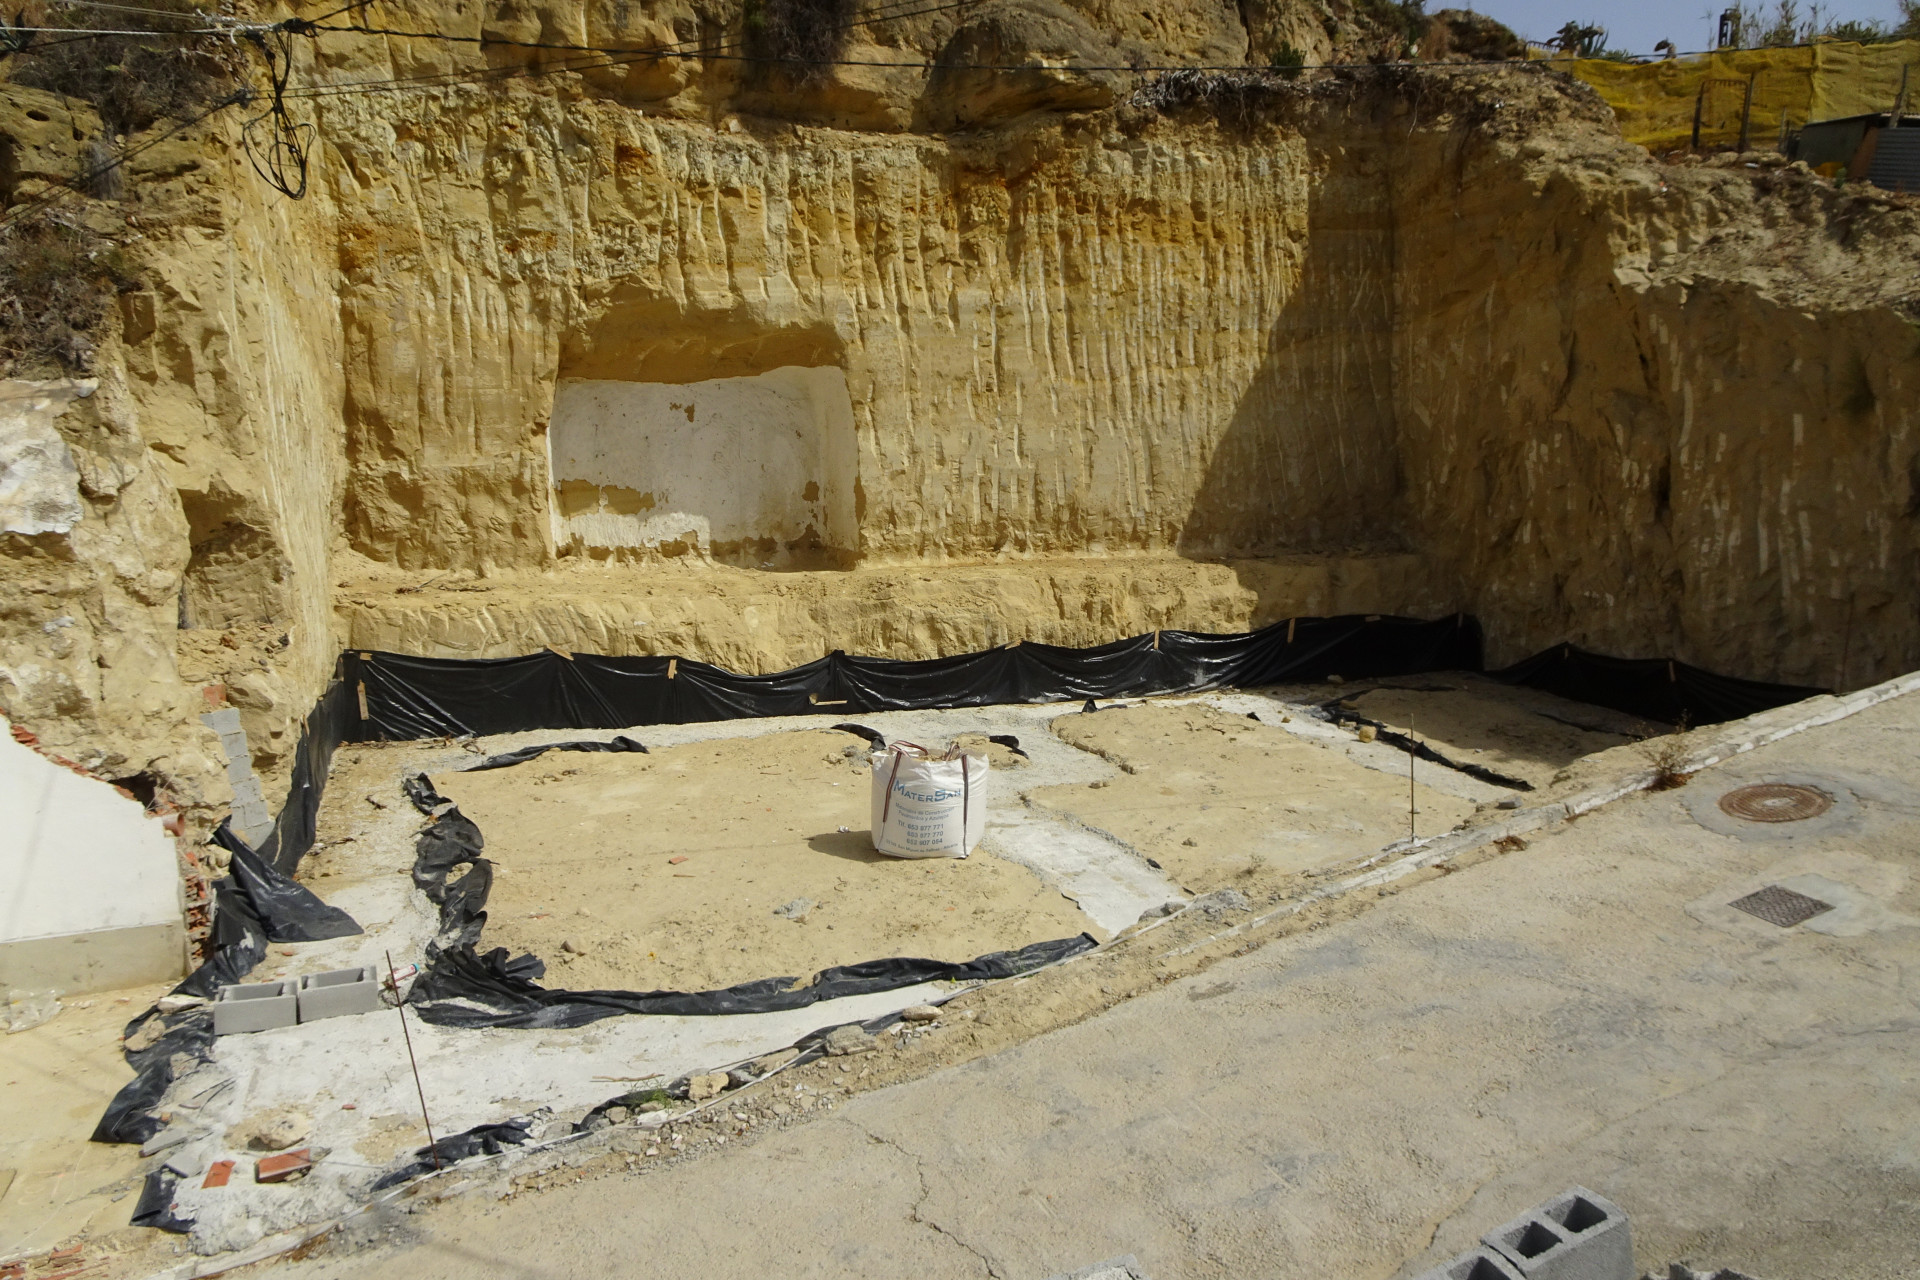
(1522, 733)
(1213, 797)
(664, 871)
(55, 1186)
(1543, 1014)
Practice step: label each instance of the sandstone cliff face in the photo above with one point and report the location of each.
(1390, 341)
(1650, 409)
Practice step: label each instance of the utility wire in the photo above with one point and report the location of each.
(678, 48)
(94, 32)
(138, 8)
(63, 190)
(491, 75)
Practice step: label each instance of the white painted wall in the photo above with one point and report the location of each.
(721, 461)
(76, 856)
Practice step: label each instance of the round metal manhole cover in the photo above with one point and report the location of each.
(1776, 802)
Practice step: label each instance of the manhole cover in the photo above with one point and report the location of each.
(1781, 906)
(1776, 802)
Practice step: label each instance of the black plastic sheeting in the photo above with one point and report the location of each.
(1655, 689)
(129, 1116)
(481, 1140)
(287, 909)
(458, 987)
(154, 1208)
(409, 697)
(255, 905)
(1334, 710)
(333, 720)
(507, 759)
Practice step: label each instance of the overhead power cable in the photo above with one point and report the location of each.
(489, 75)
(149, 10)
(71, 187)
(677, 49)
(105, 31)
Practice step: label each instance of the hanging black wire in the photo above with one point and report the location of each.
(277, 145)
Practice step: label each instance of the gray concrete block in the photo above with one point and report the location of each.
(340, 992)
(223, 722)
(1475, 1264)
(255, 1006)
(1577, 1235)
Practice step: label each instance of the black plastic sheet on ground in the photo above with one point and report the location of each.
(481, 1140)
(408, 697)
(459, 987)
(255, 905)
(507, 759)
(129, 1117)
(285, 908)
(154, 1208)
(1655, 689)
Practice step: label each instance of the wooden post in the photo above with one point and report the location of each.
(1699, 105)
(1900, 99)
(1746, 115)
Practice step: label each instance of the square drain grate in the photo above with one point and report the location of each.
(1781, 906)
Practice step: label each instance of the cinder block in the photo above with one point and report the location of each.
(1475, 1264)
(255, 1006)
(1577, 1235)
(343, 991)
(223, 722)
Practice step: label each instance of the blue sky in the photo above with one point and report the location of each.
(1638, 25)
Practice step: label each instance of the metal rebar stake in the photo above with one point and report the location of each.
(393, 980)
(1413, 746)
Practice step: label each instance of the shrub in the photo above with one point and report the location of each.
(799, 36)
(131, 81)
(1288, 61)
(56, 285)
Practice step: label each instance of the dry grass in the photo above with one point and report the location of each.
(57, 284)
(132, 81)
(798, 36)
(1669, 757)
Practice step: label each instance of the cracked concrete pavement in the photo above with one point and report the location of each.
(1364, 1098)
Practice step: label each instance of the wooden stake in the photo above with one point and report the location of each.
(1746, 115)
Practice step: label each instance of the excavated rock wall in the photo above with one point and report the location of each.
(1387, 341)
(210, 470)
(1662, 410)
(1046, 338)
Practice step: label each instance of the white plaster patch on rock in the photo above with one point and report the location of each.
(728, 460)
(39, 483)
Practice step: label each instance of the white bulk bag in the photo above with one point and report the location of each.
(928, 806)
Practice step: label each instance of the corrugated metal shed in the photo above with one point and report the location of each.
(1832, 141)
(1896, 160)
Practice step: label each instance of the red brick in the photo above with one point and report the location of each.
(278, 1168)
